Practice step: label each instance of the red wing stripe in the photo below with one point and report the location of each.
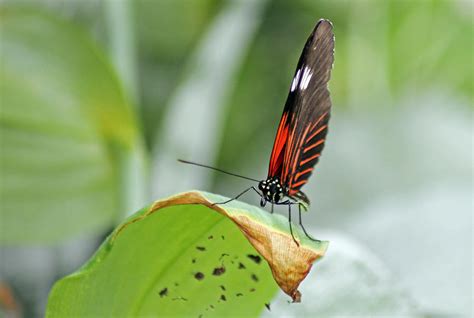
(297, 184)
(297, 155)
(309, 159)
(299, 174)
(319, 120)
(313, 145)
(287, 155)
(317, 132)
(280, 141)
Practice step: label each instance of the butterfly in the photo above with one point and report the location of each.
(302, 130)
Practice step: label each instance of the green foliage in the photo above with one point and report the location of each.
(429, 46)
(64, 126)
(167, 33)
(162, 252)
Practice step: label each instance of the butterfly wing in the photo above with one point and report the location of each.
(303, 126)
(279, 146)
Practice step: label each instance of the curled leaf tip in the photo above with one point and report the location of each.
(289, 263)
(296, 296)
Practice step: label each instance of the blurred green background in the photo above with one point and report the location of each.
(99, 99)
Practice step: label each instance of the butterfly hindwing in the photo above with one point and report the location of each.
(302, 131)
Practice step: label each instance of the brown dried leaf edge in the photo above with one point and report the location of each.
(290, 263)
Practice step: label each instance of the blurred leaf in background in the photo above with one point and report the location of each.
(198, 102)
(61, 108)
(167, 33)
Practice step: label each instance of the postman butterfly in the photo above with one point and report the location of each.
(302, 130)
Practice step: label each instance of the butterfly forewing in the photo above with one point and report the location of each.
(303, 127)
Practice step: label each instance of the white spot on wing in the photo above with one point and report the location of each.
(294, 84)
(307, 74)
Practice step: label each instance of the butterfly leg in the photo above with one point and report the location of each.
(291, 228)
(301, 224)
(238, 196)
(271, 211)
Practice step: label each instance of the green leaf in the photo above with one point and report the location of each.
(63, 121)
(148, 265)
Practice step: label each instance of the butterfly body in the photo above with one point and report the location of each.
(272, 191)
(303, 126)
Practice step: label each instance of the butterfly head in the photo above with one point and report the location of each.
(272, 191)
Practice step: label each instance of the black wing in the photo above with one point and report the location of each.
(303, 127)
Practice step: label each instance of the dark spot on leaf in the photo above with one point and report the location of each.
(212, 307)
(164, 292)
(180, 298)
(252, 290)
(241, 266)
(268, 306)
(232, 262)
(176, 284)
(223, 298)
(200, 248)
(222, 287)
(199, 276)
(257, 259)
(239, 294)
(222, 236)
(200, 316)
(223, 255)
(210, 237)
(254, 277)
(194, 260)
(218, 271)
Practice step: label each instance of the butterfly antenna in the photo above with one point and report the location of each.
(216, 169)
